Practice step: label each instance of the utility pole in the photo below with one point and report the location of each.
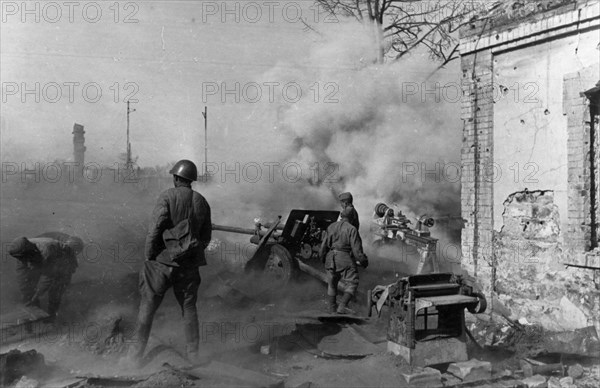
(129, 162)
(205, 114)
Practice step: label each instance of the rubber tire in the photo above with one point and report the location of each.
(286, 263)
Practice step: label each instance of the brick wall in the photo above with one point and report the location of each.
(477, 114)
(521, 280)
(576, 108)
(596, 186)
(479, 43)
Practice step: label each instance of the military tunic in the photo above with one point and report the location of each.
(353, 217)
(340, 249)
(160, 272)
(47, 270)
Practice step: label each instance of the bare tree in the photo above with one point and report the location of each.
(400, 26)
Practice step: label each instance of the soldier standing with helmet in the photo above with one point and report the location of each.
(179, 232)
(341, 251)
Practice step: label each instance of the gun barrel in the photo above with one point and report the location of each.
(233, 229)
(424, 241)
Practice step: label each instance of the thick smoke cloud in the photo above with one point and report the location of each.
(388, 139)
(387, 133)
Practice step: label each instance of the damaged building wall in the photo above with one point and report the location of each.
(530, 278)
(524, 184)
(530, 131)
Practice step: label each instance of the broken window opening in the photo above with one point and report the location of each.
(593, 96)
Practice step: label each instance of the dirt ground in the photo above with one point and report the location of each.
(272, 337)
(277, 334)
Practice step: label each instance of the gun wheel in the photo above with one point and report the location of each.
(481, 305)
(279, 265)
(276, 263)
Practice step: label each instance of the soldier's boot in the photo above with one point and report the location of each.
(343, 307)
(134, 357)
(53, 306)
(332, 304)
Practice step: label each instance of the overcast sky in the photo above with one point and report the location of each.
(161, 51)
(173, 57)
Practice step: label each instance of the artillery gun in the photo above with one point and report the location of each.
(283, 250)
(390, 227)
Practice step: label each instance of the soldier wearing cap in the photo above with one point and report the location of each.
(346, 202)
(342, 251)
(45, 265)
(181, 217)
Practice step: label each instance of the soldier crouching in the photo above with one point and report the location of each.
(45, 266)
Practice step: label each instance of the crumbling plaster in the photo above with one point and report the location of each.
(530, 129)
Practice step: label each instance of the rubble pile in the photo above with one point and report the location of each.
(15, 364)
(531, 340)
(167, 378)
(533, 356)
(575, 376)
(558, 300)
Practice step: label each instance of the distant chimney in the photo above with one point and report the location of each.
(78, 147)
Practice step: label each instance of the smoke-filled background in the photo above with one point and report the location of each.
(370, 129)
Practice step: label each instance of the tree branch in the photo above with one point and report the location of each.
(399, 26)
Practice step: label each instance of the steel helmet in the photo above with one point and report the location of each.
(185, 169)
(75, 243)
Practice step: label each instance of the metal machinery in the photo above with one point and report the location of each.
(390, 227)
(427, 321)
(283, 250)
